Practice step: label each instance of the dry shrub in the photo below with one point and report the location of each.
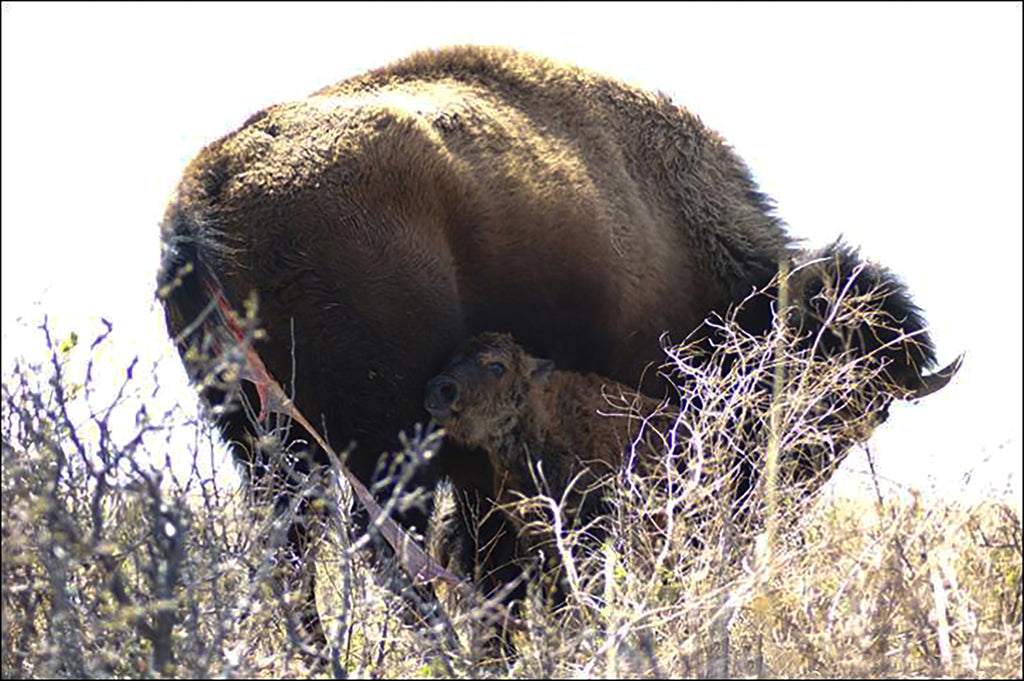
(114, 567)
(117, 562)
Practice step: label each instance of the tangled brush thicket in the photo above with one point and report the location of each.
(118, 563)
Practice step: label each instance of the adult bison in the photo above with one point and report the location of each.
(383, 220)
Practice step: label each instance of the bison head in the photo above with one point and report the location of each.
(479, 397)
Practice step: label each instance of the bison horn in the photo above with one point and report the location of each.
(935, 381)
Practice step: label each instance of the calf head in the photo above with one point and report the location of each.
(482, 394)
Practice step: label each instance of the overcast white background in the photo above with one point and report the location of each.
(898, 126)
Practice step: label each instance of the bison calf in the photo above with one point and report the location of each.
(544, 431)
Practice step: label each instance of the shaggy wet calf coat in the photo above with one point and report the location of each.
(558, 433)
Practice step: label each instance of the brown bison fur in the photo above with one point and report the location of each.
(383, 220)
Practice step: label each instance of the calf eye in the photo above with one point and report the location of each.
(497, 368)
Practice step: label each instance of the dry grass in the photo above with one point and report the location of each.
(854, 590)
(115, 568)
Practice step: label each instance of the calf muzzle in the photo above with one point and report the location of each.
(442, 394)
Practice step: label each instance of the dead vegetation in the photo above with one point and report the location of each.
(122, 558)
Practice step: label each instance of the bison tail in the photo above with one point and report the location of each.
(203, 326)
(189, 288)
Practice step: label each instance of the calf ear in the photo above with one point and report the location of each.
(542, 369)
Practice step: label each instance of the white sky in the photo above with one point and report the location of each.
(896, 125)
